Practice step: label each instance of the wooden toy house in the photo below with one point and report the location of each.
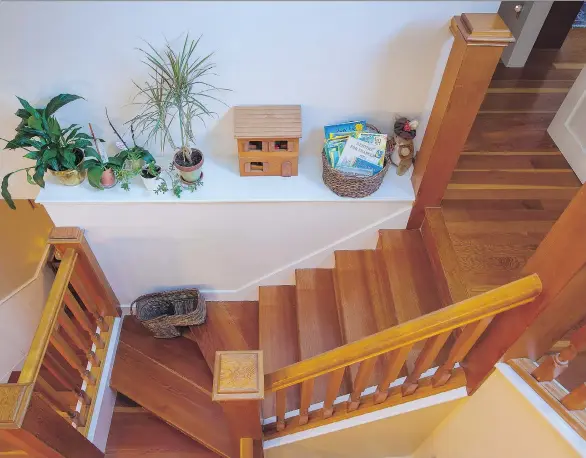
(268, 139)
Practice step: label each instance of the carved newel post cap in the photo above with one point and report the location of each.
(238, 376)
(487, 29)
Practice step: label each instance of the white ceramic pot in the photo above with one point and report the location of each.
(151, 183)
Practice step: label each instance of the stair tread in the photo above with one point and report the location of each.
(410, 275)
(364, 301)
(156, 385)
(318, 323)
(137, 433)
(179, 355)
(230, 326)
(278, 338)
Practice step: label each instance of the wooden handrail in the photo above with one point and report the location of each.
(455, 316)
(51, 312)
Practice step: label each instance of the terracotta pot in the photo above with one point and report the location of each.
(192, 173)
(108, 179)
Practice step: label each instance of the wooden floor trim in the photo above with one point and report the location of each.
(507, 90)
(367, 405)
(552, 393)
(517, 111)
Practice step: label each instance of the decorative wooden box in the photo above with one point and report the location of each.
(268, 139)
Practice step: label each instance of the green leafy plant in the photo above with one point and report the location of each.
(176, 90)
(95, 166)
(131, 153)
(125, 176)
(52, 147)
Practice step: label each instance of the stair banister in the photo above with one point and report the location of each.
(479, 40)
(34, 417)
(431, 331)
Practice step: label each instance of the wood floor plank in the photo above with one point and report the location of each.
(534, 72)
(318, 322)
(536, 84)
(139, 433)
(229, 326)
(364, 301)
(511, 162)
(476, 193)
(536, 101)
(510, 132)
(561, 178)
(278, 338)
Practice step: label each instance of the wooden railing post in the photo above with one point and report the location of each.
(29, 424)
(239, 388)
(530, 331)
(479, 40)
(90, 274)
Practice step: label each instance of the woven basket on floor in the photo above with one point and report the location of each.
(162, 313)
(347, 185)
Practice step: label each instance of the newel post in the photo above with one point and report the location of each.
(239, 388)
(479, 40)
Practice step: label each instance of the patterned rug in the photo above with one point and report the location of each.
(581, 18)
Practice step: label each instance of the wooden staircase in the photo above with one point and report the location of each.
(410, 274)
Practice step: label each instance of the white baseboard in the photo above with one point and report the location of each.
(363, 239)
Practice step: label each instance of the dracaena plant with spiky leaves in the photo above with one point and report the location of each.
(176, 92)
(46, 142)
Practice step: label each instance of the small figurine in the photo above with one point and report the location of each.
(404, 152)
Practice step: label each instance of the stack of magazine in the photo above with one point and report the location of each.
(350, 149)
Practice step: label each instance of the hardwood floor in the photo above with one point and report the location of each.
(511, 182)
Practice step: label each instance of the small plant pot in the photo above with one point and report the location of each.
(189, 173)
(150, 182)
(108, 179)
(135, 165)
(71, 177)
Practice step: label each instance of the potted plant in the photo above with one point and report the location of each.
(177, 90)
(102, 174)
(58, 150)
(151, 176)
(134, 156)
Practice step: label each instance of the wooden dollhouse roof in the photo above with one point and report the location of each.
(267, 121)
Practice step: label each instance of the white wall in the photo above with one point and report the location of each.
(339, 60)
(500, 421)
(19, 318)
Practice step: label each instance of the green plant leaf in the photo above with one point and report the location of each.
(35, 123)
(94, 175)
(69, 160)
(27, 106)
(73, 133)
(34, 155)
(38, 176)
(5, 193)
(18, 143)
(49, 154)
(84, 135)
(58, 101)
(91, 153)
(22, 113)
(54, 126)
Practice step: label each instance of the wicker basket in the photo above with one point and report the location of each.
(162, 313)
(347, 185)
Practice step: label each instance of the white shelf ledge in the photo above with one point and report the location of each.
(222, 183)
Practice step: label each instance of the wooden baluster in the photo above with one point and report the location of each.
(334, 381)
(51, 395)
(553, 365)
(60, 374)
(85, 295)
(72, 332)
(424, 361)
(305, 402)
(460, 349)
(281, 396)
(393, 365)
(83, 397)
(83, 319)
(576, 400)
(361, 382)
(66, 351)
(79, 418)
(94, 359)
